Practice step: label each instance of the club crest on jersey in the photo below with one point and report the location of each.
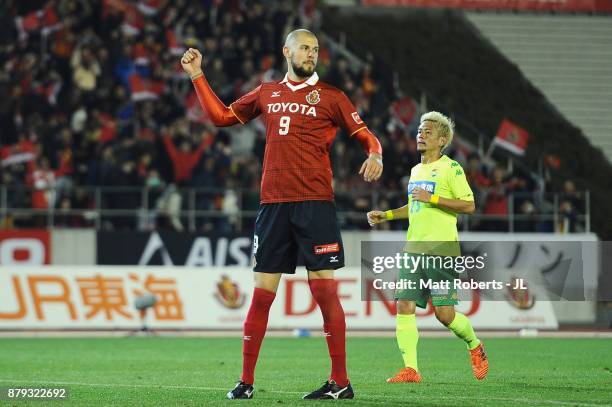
(313, 97)
(434, 173)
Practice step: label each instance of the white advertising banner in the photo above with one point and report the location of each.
(94, 297)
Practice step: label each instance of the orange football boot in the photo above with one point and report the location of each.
(405, 375)
(480, 363)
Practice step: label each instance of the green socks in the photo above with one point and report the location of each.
(462, 327)
(407, 338)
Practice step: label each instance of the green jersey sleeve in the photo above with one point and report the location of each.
(459, 185)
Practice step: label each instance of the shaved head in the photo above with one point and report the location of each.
(295, 35)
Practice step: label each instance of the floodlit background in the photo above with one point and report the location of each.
(114, 183)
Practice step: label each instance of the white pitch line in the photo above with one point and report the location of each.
(236, 334)
(360, 396)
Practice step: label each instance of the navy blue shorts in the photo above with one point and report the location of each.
(284, 230)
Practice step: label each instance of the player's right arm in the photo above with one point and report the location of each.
(376, 217)
(220, 114)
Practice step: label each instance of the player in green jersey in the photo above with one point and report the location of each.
(437, 191)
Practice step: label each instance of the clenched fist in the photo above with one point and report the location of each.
(192, 62)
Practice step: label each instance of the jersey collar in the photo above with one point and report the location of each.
(314, 78)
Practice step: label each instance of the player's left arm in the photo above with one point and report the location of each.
(346, 116)
(372, 167)
(463, 197)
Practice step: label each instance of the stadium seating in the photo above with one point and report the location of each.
(107, 105)
(440, 53)
(568, 58)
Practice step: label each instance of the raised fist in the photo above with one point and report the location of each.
(192, 61)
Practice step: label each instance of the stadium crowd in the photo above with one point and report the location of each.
(92, 94)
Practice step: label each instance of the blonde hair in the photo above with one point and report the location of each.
(444, 125)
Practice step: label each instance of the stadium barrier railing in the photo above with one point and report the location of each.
(194, 209)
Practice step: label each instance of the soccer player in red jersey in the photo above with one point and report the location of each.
(297, 211)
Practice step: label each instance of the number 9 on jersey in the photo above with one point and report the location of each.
(283, 127)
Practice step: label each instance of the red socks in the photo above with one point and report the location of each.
(254, 331)
(325, 294)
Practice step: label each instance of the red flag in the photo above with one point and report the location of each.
(173, 44)
(45, 19)
(512, 137)
(133, 21)
(404, 110)
(140, 54)
(21, 152)
(149, 7)
(32, 21)
(145, 89)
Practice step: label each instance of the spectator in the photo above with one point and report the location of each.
(85, 69)
(43, 181)
(568, 218)
(169, 207)
(496, 202)
(527, 218)
(569, 194)
(184, 159)
(475, 172)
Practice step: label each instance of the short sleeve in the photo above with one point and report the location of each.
(458, 183)
(247, 107)
(346, 116)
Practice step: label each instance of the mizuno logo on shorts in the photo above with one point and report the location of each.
(327, 248)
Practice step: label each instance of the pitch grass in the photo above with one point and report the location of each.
(161, 371)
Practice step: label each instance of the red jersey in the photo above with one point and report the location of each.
(301, 123)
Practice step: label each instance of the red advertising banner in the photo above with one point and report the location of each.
(594, 6)
(25, 247)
